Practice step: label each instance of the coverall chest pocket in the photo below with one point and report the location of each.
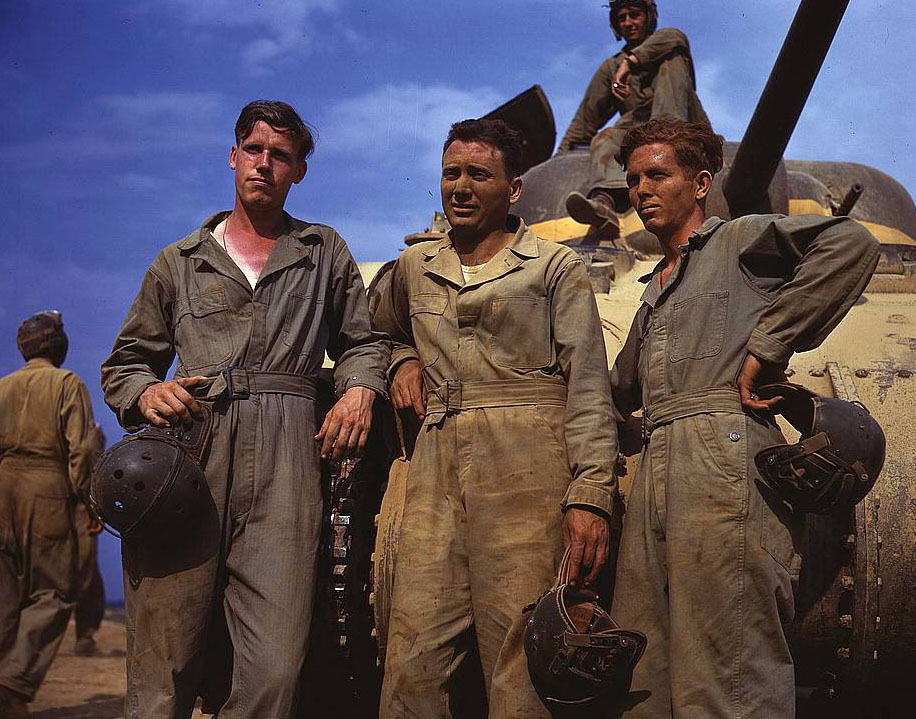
(426, 312)
(698, 326)
(202, 331)
(302, 323)
(520, 332)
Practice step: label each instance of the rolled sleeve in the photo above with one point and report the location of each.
(392, 316)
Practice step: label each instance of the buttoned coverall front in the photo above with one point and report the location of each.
(252, 555)
(661, 86)
(47, 449)
(518, 425)
(707, 566)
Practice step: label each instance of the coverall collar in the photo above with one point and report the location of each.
(38, 362)
(698, 238)
(442, 260)
(291, 247)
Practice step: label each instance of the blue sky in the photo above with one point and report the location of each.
(117, 120)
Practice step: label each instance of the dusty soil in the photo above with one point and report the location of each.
(87, 687)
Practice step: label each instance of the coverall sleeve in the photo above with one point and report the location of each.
(597, 107)
(361, 355)
(661, 44)
(625, 386)
(392, 316)
(830, 261)
(78, 430)
(590, 425)
(144, 348)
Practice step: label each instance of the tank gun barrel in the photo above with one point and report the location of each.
(781, 103)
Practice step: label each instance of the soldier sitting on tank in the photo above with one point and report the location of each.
(707, 566)
(47, 449)
(652, 76)
(497, 345)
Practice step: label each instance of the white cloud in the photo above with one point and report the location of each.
(150, 106)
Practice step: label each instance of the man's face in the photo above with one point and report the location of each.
(633, 23)
(266, 165)
(664, 194)
(476, 193)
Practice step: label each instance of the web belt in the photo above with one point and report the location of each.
(241, 383)
(455, 395)
(688, 404)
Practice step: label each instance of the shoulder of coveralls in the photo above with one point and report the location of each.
(419, 252)
(670, 33)
(557, 256)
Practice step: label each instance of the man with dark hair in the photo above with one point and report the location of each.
(47, 450)
(250, 303)
(652, 76)
(497, 346)
(707, 565)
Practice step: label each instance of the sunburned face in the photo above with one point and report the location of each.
(664, 193)
(633, 23)
(476, 192)
(266, 165)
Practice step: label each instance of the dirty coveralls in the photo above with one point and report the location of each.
(47, 449)
(252, 556)
(662, 85)
(518, 426)
(90, 604)
(707, 568)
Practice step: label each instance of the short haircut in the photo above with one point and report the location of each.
(496, 134)
(281, 117)
(696, 146)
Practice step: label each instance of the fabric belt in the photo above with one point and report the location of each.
(241, 383)
(455, 395)
(32, 462)
(688, 404)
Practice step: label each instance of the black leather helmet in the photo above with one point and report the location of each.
(151, 481)
(576, 654)
(648, 5)
(837, 458)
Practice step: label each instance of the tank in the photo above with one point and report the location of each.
(853, 639)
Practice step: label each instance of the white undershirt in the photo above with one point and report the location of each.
(471, 271)
(219, 234)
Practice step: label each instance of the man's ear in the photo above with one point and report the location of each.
(233, 151)
(515, 190)
(704, 184)
(303, 169)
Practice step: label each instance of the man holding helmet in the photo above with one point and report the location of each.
(47, 448)
(652, 76)
(250, 302)
(707, 562)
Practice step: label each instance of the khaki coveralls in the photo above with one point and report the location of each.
(47, 449)
(252, 557)
(707, 568)
(519, 424)
(663, 85)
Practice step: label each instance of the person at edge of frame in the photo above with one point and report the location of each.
(652, 76)
(250, 303)
(497, 346)
(711, 563)
(47, 450)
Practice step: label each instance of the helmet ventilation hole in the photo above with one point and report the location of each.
(139, 486)
(118, 474)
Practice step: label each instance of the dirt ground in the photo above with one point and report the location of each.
(87, 687)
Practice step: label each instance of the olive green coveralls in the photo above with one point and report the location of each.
(707, 567)
(47, 449)
(662, 85)
(519, 425)
(90, 604)
(252, 556)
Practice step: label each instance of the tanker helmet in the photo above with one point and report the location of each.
(150, 482)
(837, 458)
(649, 6)
(42, 335)
(576, 654)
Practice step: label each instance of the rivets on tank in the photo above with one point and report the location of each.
(904, 373)
(843, 654)
(847, 581)
(861, 373)
(816, 372)
(790, 372)
(846, 621)
(734, 436)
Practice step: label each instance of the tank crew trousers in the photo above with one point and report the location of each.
(38, 565)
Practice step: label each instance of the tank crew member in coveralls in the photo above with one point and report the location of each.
(47, 449)
(710, 565)
(497, 345)
(250, 303)
(652, 76)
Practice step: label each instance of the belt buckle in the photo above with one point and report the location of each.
(452, 395)
(233, 375)
(644, 426)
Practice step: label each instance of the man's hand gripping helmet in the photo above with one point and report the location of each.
(648, 5)
(151, 482)
(837, 458)
(576, 654)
